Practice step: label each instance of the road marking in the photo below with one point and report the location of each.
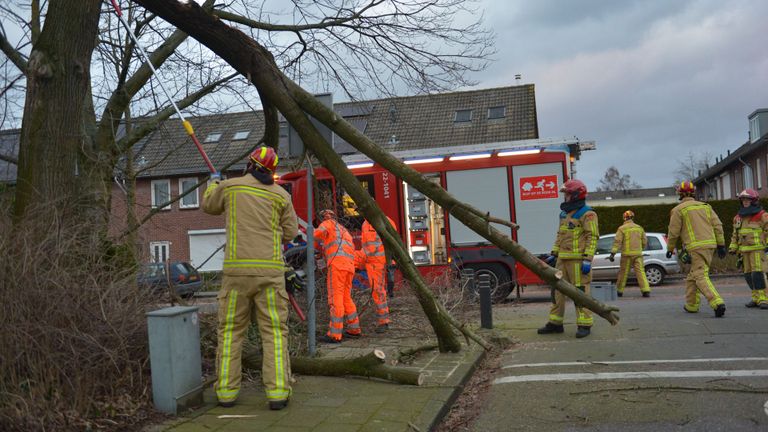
(583, 363)
(631, 375)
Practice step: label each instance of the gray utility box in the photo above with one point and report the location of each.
(603, 291)
(174, 355)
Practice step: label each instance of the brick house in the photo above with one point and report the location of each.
(746, 167)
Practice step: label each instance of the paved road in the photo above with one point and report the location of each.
(661, 369)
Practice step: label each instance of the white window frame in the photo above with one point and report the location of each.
(194, 193)
(152, 184)
(161, 245)
(759, 169)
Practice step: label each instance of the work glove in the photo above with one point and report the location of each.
(216, 176)
(611, 257)
(669, 254)
(733, 251)
(551, 260)
(764, 250)
(294, 282)
(586, 266)
(721, 252)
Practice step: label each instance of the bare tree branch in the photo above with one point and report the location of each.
(15, 56)
(9, 159)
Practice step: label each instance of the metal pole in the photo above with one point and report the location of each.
(311, 315)
(484, 289)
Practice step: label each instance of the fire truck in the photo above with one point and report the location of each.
(515, 180)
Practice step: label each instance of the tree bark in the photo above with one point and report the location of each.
(370, 365)
(51, 158)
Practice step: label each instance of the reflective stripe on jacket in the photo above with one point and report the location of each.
(336, 243)
(577, 235)
(258, 218)
(372, 245)
(749, 233)
(630, 239)
(696, 224)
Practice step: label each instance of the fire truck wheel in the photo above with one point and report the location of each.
(501, 282)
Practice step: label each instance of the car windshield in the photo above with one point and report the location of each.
(604, 245)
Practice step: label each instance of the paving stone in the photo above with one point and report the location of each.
(336, 427)
(385, 426)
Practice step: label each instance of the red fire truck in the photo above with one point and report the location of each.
(515, 180)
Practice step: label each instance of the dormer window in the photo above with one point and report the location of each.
(463, 116)
(241, 135)
(213, 137)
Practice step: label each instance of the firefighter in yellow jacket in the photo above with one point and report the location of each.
(259, 219)
(750, 227)
(573, 250)
(699, 228)
(630, 241)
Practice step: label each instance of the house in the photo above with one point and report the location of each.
(632, 197)
(746, 167)
(169, 163)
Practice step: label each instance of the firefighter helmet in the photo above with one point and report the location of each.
(327, 214)
(264, 157)
(686, 188)
(749, 194)
(575, 189)
(629, 214)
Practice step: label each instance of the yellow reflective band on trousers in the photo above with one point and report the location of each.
(222, 390)
(280, 392)
(571, 273)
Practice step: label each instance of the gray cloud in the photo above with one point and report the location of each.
(649, 81)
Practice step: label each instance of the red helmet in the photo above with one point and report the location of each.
(629, 214)
(264, 157)
(686, 188)
(750, 194)
(575, 189)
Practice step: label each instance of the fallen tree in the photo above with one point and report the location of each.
(371, 365)
(279, 93)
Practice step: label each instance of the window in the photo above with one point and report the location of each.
(497, 112)
(241, 135)
(653, 244)
(213, 137)
(283, 130)
(159, 251)
(463, 116)
(604, 245)
(161, 193)
(190, 200)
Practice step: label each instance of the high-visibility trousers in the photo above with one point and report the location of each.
(572, 273)
(753, 273)
(343, 310)
(266, 298)
(377, 277)
(698, 281)
(635, 263)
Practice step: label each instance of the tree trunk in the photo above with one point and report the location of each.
(51, 158)
(370, 365)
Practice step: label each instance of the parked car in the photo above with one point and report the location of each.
(184, 278)
(657, 265)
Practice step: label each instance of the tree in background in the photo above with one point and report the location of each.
(691, 166)
(613, 180)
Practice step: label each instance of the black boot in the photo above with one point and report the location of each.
(646, 294)
(619, 293)
(582, 332)
(550, 328)
(751, 304)
(720, 311)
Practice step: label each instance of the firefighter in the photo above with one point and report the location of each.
(373, 258)
(573, 251)
(631, 241)
(750, 227)
(699, 228)
(259, 219)
(339, 251)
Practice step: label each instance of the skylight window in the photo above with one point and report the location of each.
(213, 137)
(497, 112)
(241, 135)
(463, 116)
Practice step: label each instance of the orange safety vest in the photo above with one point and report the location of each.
(336, 243)
(372, 244)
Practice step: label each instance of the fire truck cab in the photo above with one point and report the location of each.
(516, 180)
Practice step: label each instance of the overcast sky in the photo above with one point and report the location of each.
(648, 80)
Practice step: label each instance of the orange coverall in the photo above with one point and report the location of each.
(373, 258)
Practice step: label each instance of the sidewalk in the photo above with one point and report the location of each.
(347, 404)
